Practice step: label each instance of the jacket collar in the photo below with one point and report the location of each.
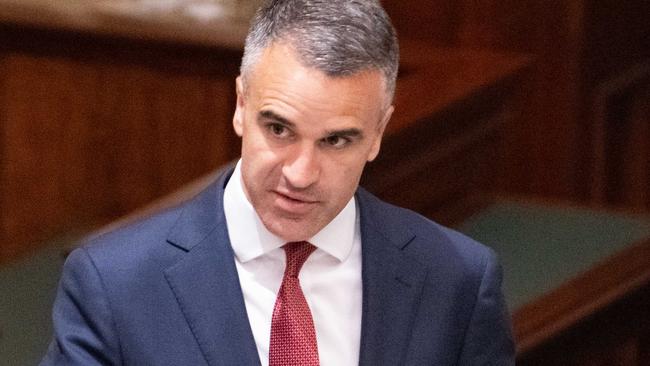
(205, 280)
(392, 283)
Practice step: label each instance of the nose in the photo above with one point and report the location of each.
(302, 169)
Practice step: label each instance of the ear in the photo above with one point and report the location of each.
(374, 150)
(238, 117)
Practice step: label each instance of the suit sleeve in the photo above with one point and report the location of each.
(488, 339)
(84, 329)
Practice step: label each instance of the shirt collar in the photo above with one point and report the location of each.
(251, 239)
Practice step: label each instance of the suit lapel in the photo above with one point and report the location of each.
(392, 285)
(206, 284)
(207, 288)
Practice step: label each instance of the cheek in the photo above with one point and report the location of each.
(343, 175)
(254, 147)
(261, 162)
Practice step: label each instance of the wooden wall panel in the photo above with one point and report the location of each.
(94, 129)
(616, 38)
(434, 21)
(545, 139)
(503, 24)
(576, 46)
(543, 152)
(621, 166)
(163, 130)
(45, 108)
(203, 105)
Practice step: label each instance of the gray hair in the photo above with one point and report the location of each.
(337, 37)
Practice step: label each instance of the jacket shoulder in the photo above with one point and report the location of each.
(134, 246)
(154, 240)
(429, 242)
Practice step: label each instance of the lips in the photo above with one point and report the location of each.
(293, 203)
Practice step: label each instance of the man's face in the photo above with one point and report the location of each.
(305, 140)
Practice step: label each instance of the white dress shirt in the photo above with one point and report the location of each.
(330, 278)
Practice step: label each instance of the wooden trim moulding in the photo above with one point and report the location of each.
(604, 284)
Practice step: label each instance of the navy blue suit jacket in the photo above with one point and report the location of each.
(165, 291)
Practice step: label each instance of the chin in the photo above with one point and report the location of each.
(295, 234)
(290, 230)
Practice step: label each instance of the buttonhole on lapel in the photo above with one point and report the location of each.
(178, 246)
(406, 243)
(400, 280)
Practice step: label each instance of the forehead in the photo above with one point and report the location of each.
(280, 79)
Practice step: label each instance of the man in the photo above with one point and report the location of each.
(365, 282)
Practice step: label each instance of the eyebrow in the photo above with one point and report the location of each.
(266, 114)
(348, 132)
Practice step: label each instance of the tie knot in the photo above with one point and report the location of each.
(297, 253)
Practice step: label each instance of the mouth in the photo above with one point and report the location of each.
(294, 203)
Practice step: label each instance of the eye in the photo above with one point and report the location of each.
(278, 130)
(336, 141)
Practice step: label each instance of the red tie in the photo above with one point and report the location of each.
(293, 337)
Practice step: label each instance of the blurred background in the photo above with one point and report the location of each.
(524, 124)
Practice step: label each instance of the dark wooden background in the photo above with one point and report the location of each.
(578, 47)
